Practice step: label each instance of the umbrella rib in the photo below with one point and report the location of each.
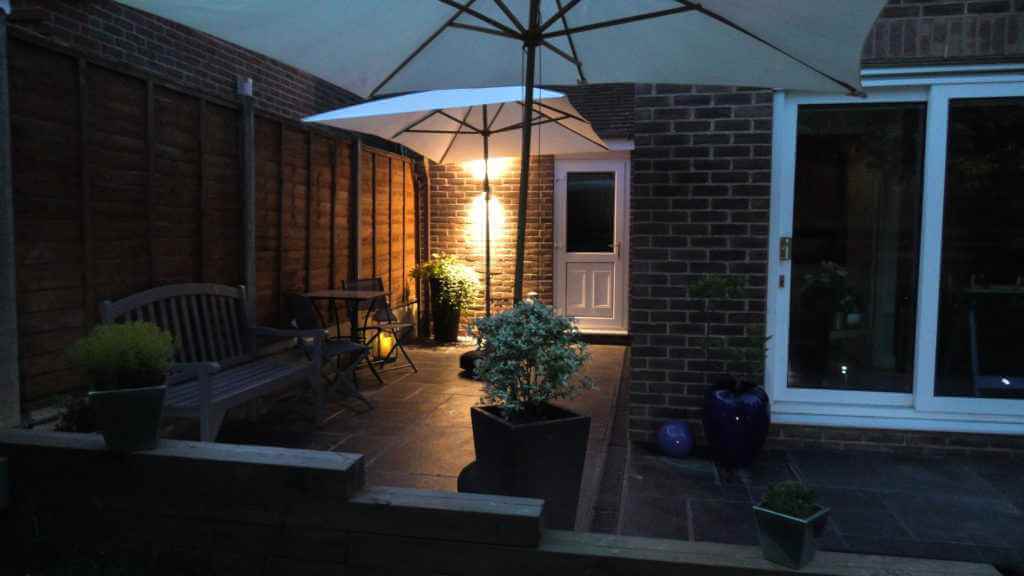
(572, 45)
(727, 22)
(511, 16)
(461, 123)
(560, 52)
(576, 132)
(454, 136)
(559, 15)
(567, 114)
(482, 17)
(618, 21)
(415, 123)
(484, 30)
(422, 46)
(494, 118)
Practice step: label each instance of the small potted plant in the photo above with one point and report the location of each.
(453, 288)
(526, 446)
(788, 519)
(737, 412)
(126, 365)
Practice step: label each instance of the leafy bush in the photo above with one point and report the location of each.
(459, 285)
(531, 355)
(120, 356)
(745, 354)
(792, 499)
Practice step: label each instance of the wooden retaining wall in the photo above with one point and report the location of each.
(123, 182)
(193, 508)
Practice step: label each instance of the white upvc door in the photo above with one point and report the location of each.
(919, 407)
(591, 243)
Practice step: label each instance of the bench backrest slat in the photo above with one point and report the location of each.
(208, 321)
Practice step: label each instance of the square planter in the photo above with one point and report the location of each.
(788, 540)
(537, 459)
(129, 419)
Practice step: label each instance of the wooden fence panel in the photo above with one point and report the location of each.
(177, 186)
(409, 229)
(45, 159)
(268, 223)
(320, 213)
(122, 183)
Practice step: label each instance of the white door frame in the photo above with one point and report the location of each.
(619, 163)
(921, 409)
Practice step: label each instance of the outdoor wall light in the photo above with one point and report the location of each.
(495, 167)
(478, 221)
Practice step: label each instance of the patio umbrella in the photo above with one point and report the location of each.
(456, 125)
(385, 46)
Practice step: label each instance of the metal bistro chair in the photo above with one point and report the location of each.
(345, 353)
(380, 319)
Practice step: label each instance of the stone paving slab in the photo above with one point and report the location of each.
(948, 508)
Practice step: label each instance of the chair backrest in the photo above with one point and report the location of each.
(381, 311)
(208, 321)
(303, 312)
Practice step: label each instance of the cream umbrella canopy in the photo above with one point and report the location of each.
(386, 46)
(459, 125)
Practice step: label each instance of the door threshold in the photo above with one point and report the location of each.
(608, 337)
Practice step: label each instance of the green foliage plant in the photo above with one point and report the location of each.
(122, 356)
(458, 283)
(792, 499)
(531, 357)
(745, 355)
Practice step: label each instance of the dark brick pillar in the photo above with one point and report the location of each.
(701, 173)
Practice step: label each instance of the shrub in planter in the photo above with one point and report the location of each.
(126, 365)
(737, 412)
(453, 288)
(526, 446)
(788, 519)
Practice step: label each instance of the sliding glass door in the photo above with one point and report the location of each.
(898, 223)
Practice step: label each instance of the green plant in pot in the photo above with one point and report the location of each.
(454, 287)
(126, 365)
(788, 519)
(737, 412)
(525, 445)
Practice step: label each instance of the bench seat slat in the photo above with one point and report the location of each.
(234, 382)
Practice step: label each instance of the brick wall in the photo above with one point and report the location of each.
(946, 31)
(195, 61)
(700, 203)
(701, 172)
(454, 189)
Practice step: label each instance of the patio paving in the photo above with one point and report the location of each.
(419, 434)
(943, 507)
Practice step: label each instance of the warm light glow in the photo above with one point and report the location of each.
(385, 344)
(478, 221)
(495, 167)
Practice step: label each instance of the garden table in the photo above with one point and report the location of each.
(351, 298)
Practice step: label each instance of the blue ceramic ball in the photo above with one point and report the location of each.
(675, 439)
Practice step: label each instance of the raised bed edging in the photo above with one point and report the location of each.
(228, 509)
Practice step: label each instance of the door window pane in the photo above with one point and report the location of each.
(856, 235)
(981, 292)
(590, 212)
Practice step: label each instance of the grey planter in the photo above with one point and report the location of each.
(129, 419)
(788, 540)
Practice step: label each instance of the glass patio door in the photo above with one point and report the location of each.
(897, 264)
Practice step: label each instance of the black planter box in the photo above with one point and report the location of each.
(536, 459)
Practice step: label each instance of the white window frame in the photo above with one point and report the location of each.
(920, 409)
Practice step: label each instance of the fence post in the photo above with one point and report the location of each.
(10, 392)
(247, 145)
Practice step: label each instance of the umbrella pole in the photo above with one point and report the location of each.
(530, 45)
(487, 217)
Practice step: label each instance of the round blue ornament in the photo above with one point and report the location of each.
(675, 439)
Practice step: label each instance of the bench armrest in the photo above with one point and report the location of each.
(287, 332)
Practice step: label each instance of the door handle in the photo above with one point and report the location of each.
(615, 249)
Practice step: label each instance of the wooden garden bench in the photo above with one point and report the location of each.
(216, 366)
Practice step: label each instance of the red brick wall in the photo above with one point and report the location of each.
(701, 173)
(453, 191)
(191, 59)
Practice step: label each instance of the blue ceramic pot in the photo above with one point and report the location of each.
(736, 421)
